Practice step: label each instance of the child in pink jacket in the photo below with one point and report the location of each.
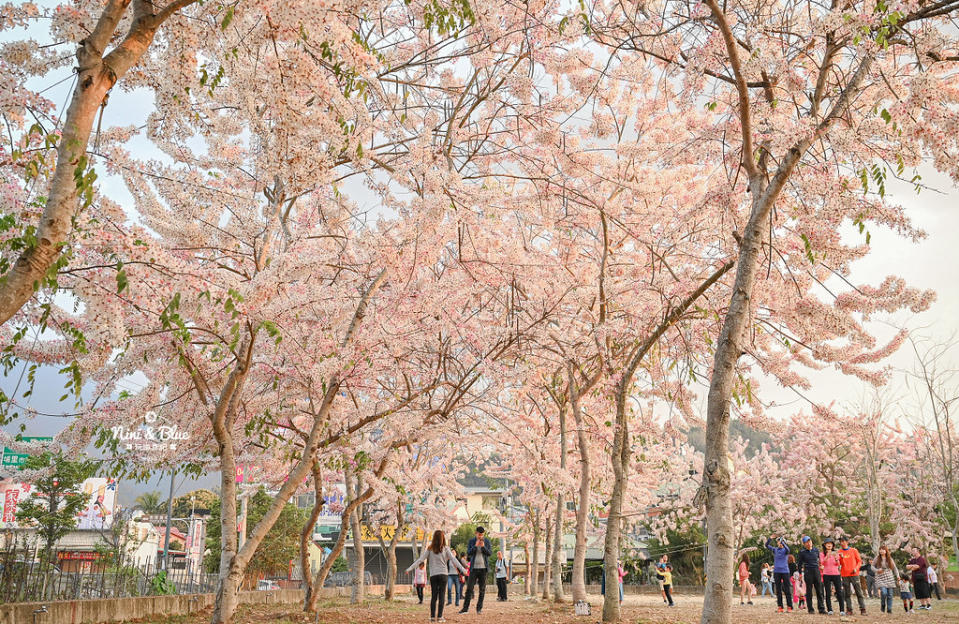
(799, 587)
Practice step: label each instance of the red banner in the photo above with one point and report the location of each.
(10, 504)
(81, 556)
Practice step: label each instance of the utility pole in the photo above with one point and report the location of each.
(169, 518)
(509, 511)
(502, 526)
(193, 536)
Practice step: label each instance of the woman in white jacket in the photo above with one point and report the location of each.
(438, 560)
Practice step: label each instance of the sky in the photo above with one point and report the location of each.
(929, 264)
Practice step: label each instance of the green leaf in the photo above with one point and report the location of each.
(122, 281)
(227, 18)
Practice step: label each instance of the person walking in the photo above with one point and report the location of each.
(781, 576)
(437, 558)
(933, 579)
(920, 583)
(808, 562)
(849, 563)
(478, 553)
(502, 577)
(744, 585)
(454, 584)
(419, 580)
(764, 576)
(887, 575)
(832, 581)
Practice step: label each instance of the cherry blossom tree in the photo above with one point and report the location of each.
(256, 303)
(814, 97)
(559, 196)
(933, 381)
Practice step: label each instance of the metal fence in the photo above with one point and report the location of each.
(23, 579)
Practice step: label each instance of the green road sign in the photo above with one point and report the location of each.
(12, 459)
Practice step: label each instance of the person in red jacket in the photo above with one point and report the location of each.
(849, 563)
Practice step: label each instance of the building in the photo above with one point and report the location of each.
(90, 550)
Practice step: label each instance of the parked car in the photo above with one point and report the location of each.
(267, 585)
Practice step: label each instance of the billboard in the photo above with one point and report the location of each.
(334, 500)
(101, 504)
(95, 515)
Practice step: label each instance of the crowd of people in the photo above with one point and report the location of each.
(446, 572)
(797, 577)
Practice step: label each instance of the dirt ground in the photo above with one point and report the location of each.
(636, 610)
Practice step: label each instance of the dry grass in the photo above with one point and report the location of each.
(638, 609)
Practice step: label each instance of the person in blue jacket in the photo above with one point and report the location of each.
(808, 561)
(781, 577)
(478, 551)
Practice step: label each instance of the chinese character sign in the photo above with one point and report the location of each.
(11, 495)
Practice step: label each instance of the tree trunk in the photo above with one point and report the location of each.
(96, 75)
(559, 551)
(621, 451)
(236, 564)
(337, 548)
(874, 497)
(390, 585)
(358, 563)
(720, 539)
(225, 605)
(611, 550)
(414, 545)
(955, 538)
(955, 522)
(306, 535)
(548, 562)
(534, 566)
(529, 567)
(582, 505)
(228, 581)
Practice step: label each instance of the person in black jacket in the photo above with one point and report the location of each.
(478, 552)
(808, 562)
